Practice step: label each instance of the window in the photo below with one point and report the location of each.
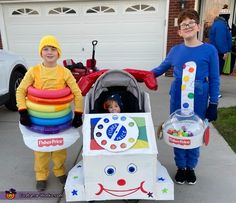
(140, 8)
(100, 9)
(61, 11)
(25, 11)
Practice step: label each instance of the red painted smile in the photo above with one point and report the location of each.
(121, 193)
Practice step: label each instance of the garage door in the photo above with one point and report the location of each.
(129, 34)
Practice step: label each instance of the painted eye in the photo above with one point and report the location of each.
(132, 168)
(110, 170)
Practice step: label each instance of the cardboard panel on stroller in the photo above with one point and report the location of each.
(119, 149)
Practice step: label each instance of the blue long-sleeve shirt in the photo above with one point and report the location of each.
(220, 35)
(206, 58)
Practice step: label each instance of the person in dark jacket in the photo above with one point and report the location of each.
(220, 36)
(233, 51)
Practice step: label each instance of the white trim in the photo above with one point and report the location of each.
(3, 29)
(38, 1)
(166, 29)
(196, 5)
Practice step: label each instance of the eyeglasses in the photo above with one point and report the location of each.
(185, 26)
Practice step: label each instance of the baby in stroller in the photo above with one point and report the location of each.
(113, 104)
(120, 145)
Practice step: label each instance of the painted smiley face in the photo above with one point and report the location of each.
(121, 182)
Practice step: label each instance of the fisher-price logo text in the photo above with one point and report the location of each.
(50, 142)
(179, 141)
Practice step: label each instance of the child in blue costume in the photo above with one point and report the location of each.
(202, 60)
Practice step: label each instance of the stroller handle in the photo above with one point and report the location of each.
(94, 42)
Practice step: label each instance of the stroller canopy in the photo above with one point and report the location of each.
(116, 82)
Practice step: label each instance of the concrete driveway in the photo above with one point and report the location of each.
(215, 172)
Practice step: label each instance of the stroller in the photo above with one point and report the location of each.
(119, 149)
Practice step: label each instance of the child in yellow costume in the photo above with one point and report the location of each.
(49, 76)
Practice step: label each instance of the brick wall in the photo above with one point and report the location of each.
(172, 36)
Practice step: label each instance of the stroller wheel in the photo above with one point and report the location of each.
(131, 200)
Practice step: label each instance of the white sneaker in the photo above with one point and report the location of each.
(219, 96)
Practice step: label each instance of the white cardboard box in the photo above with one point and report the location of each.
(119, 161)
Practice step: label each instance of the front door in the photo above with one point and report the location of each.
(209, 9)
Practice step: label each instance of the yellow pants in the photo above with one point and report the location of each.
(41, 163)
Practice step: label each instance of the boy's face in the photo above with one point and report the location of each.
(114, 108)
(188, 29)
(49, 55)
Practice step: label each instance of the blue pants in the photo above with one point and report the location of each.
(186, 158)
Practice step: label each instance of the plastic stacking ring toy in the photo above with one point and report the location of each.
(57, 114)
(49, 94)
(61, 100)
(50, 129)
(51, 122)
(46, 108)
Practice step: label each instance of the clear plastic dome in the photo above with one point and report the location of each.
(184, 124)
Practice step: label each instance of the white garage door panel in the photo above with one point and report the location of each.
(124, 39)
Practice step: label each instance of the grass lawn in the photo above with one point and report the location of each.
(226, 125)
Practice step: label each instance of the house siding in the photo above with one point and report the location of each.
(172, 36)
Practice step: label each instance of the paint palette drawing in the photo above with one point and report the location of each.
(116, 132)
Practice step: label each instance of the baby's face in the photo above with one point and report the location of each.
(114, 108)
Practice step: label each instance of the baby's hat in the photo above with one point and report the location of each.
(117, 98)
(49, 40)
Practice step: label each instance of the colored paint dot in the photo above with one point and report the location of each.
(131, 139)
(98, 134)
(191, 70)
(185, 105)
(186, 78)
(115, 117)
(123, 118)
(123, 145)
(190, 95)
(183, 87)
(100, 126)
(113, 146)
(103, 142)
(184, 66)
(131, 124)
(106, 120)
